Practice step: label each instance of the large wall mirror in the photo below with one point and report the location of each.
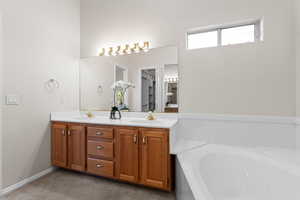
(149, 81)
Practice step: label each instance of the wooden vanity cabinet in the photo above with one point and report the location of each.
(127, 154)
(68, 146)
(59, 145)
(76, 147)
(143, 156)
(155, 158)
(131, 154)
(100, 151)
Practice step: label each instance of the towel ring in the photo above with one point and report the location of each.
(52, 84)
(99, 89)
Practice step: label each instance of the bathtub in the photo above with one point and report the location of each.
(217, 172)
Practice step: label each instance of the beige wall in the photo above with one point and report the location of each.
(256, 79)
(41, 41)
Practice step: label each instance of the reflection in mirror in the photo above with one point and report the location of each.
(148, 89)
(152, 77)
(121, 73)
(171, 88)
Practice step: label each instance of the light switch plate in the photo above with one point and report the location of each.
(12, 100)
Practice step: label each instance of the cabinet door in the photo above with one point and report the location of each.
(76, 147)
(127, 154)
(59, 145)
(155, 158)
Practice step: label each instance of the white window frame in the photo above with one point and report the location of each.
(258, 31)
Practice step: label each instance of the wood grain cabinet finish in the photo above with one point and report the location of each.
(100, 132)
(103, 149)
(68, 146)
(127, 154)
(100, 167)
(154, 158)
(59, 145)
(131, 154)
(76, 147)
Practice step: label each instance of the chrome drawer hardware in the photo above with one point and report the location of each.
(63, 132)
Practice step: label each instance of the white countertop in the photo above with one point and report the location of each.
(125, 121)
(169, 121)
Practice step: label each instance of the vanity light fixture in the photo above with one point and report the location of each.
(171, 79)
(102, 52)
(110, 51)
(119, 51)
(125, 50)
(136, 48)
(146, 46)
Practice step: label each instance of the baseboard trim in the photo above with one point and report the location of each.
(20, 184)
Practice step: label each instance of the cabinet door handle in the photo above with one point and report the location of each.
(145, 140)
(99, 133)
(63, 132)
(135, 139)
(100, 147)
(69, 132)
(99, 166)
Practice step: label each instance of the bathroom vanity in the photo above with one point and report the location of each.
(130, 151)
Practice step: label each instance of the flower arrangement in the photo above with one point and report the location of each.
(120, 88)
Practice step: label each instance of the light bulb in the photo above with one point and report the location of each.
(110, 52)
(101, 52)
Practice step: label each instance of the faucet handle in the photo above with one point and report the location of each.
(150, 116)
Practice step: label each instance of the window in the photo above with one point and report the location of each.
(202, 40)
(238, 35)
(225, 35)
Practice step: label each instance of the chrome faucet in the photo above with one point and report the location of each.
(113, 112)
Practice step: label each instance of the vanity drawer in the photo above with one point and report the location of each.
(100, 167)
(100, 132)
(100, 148)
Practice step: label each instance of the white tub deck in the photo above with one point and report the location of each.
(218, 172)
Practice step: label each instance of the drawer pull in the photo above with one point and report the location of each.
(99, 166)
(99, 133)
(100, 147)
